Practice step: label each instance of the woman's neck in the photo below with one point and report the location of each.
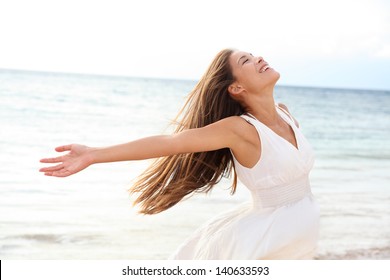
(263, 109)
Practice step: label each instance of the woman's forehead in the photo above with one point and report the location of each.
(240, 53)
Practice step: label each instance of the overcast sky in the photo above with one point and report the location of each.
(326, 43)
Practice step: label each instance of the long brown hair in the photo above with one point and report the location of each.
(169, 179)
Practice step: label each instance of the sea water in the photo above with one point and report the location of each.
(90, 215)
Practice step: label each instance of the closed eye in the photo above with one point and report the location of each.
(246, 57)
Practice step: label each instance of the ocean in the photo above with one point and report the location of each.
(90, 215)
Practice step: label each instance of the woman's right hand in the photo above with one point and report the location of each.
(78, 158)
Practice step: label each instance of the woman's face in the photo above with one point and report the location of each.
(252, 73)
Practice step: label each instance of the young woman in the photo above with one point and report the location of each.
(230, 124)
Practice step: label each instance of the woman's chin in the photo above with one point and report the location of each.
(275, 74)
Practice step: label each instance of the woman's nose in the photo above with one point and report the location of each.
(259, 59)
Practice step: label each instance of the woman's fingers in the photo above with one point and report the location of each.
(70, 163)
(52, 168)
(52, 160)
(57, 159)
(64, 148)
(61, 173)
(58, 170)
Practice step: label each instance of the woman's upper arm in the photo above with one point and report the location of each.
(219, 135)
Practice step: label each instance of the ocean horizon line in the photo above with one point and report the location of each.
(120, 76)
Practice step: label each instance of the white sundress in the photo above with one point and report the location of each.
(281, 221)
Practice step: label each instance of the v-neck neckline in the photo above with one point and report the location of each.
(297, 148)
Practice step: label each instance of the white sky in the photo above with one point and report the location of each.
(328, 43)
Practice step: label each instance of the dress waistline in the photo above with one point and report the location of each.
(281, 195)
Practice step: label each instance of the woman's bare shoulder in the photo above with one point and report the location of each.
(242, 128)
(237, 123)
(247, 149)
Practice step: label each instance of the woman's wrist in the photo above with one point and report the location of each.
(92, 155)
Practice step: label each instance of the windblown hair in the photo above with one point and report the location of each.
(169, 179)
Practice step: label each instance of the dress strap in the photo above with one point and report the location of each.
(249, 118)
(285, 112)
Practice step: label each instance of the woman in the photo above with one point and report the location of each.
(230, 122)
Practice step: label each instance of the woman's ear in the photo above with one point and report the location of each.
(235, 89)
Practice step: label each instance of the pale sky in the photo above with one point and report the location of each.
(326, 43)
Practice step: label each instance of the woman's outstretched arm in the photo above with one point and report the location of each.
(222, 134)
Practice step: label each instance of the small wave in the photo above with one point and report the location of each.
(54, 238)
(378, 253)
(49, 238)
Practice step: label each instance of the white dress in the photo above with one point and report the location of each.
(281, 221)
